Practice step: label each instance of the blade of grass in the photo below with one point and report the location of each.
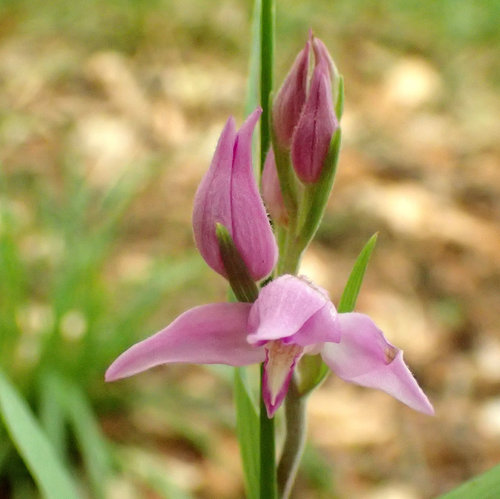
(52, 415)
(52, 478)
(90, 441)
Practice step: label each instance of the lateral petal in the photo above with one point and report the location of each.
(323, 326)
(282, 308)
(366, 358)
(208, 334)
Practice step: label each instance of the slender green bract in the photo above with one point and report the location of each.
(353, 286)
(33, 445)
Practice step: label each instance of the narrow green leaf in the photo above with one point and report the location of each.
(351, 290)
(247, 429)
(485, 486)
(51, 415)
(53, 480)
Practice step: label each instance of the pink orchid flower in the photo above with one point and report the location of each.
(228, 194)
(290, 318)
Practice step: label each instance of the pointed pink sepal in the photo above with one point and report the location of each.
(290, 98)
(209, 334)
(315, 129)
(366, 358)
(251, 230)
(228, 194)
(212, 202)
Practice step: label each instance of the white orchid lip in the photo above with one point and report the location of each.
(289, 319)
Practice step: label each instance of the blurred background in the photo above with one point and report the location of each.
(109, 115)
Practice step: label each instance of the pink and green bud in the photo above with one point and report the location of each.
(315, 129)
(290, 99)
(271, 191)
(304, 116)
(228, 195)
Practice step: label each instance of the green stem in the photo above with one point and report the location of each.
(268, 488)
(267, 21)
(295, 411)
(290, 255)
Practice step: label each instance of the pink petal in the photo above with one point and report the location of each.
(290, 98)
(282, 308)
(314, 131)
(322, 55)
(212, 202)
(209, 334)
(271, 190)
(323, 326)
(251, 230)
(278, 370)
(366, 358)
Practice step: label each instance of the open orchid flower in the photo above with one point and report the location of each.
(290, 318)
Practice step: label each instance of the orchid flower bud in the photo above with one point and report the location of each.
(315, 129)
(228, 195)
(271, 190)
(290, 99)
(304, 116)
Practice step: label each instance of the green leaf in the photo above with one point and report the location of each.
(52, 415)
(351, 290)
(247, 429)
(52, 478)
(485, 486)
